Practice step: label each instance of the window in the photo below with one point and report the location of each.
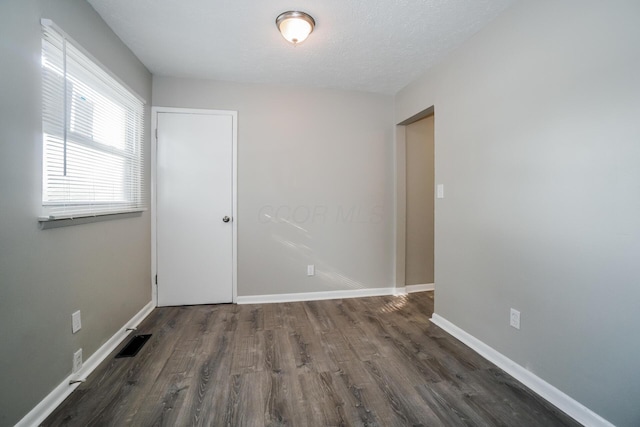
(92, 135)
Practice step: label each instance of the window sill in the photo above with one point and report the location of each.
(46, 223)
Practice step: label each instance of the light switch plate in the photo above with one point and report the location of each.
(76, 322)
(77, 361)
(515, 318)
(440, 191)
(311, 270)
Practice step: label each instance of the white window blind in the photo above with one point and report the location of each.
(93, 133)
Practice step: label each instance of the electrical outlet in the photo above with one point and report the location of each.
(76, 322)
(311, 270)
(515, 318)
(77, 361)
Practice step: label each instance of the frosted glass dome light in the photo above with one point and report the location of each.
(295, 26)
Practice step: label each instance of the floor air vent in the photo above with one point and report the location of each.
(133, 346)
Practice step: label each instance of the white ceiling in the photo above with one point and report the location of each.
(369, 45)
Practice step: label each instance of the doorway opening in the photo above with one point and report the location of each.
(415, 210)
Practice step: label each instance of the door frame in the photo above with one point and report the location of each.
(155, 110)
(400, 218)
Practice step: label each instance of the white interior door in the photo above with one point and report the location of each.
(194, 199)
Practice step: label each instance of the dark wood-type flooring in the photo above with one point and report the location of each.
(369, 361)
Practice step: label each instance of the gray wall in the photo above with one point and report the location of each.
(102, 269)
(537, 139)
(420, 202)
(315, 183)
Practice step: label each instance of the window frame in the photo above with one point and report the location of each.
(131, 195)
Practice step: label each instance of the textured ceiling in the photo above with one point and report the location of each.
(369, 45)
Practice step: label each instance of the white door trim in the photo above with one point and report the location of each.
(234, 207)
(400, 196)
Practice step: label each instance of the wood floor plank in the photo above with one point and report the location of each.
(284, 402)
(510, 399)
(362, 347)
(295, 316)
(273, 316)
(367, 400)
(322, 404)
(247, 402)
(250, 319)
(318, 318)
(451, 407)
(209, 376)
(367, 362)
(169, 389)
(278, 351)
(162, 404)
(396, 386)
(337, 346)
(308, 351)
(404, 351)
(248, 353)
(339, 312)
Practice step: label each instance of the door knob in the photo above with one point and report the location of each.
(226, 219)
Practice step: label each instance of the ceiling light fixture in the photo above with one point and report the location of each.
(295, 26)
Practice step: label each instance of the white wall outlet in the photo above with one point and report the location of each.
(440, 191)
(515, 318)
(77, 361)
(76, 322)
(311, 270)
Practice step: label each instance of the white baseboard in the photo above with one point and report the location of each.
(43, 409)
(420, 288)
(410, 289)
(314, 296)
(565, 403)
